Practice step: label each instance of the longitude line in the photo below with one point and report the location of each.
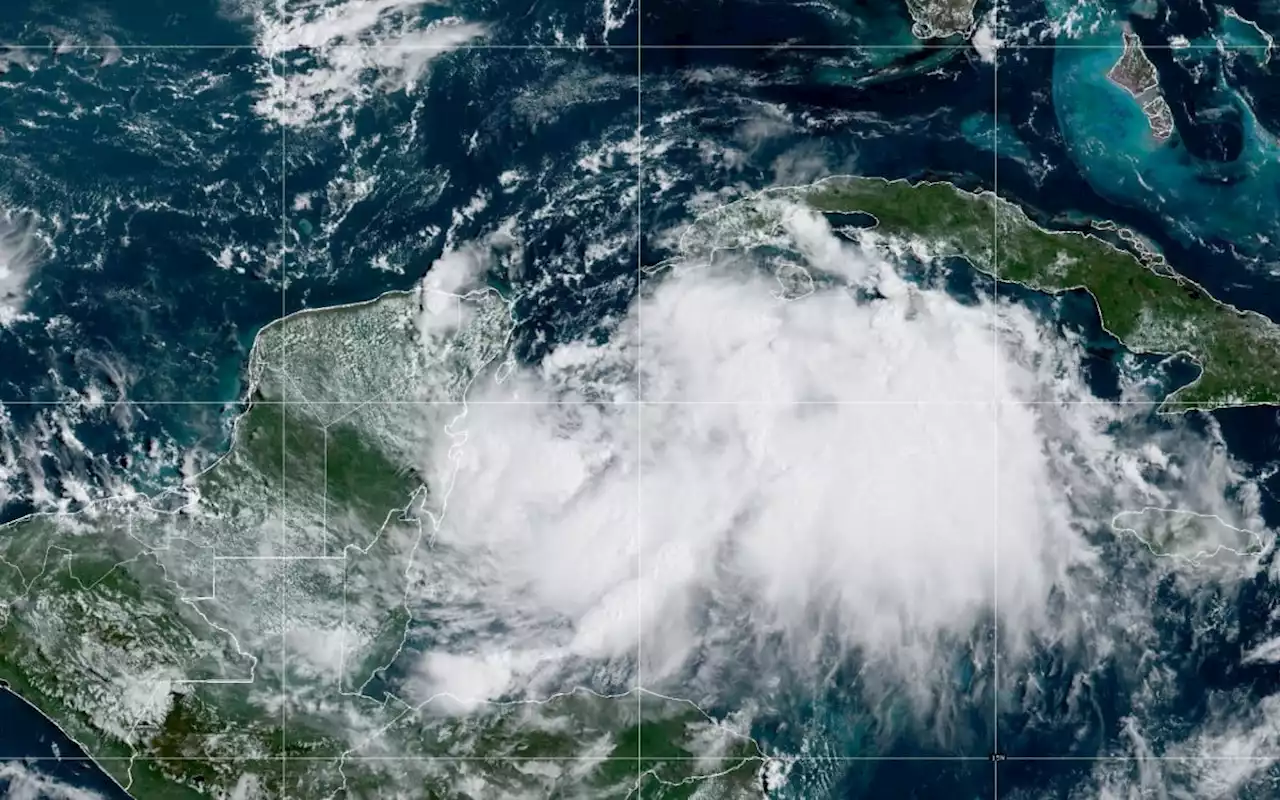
(639, 48)
(639, 398)
(640, 401)
(284, 421)
(995, 396)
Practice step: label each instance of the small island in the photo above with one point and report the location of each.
(1242, 35)
(936, 19)
(1135, 73)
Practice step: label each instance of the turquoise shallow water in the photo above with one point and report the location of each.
(1217, 197)
(985, 131)
(1078, 148)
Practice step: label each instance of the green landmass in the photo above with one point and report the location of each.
(152, 629)
(664, 742)
(1238, 352)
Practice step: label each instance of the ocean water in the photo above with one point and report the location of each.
(146, 189)
(30, 739)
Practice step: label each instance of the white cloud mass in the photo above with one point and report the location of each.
(22, 247)
(875, 468)
(354, 51)
(20, 782)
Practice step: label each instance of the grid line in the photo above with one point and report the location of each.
(640, 140)
(1117, 759)
(284, 449)
(640, 402)
(995, 397)
(1187, 405)
(776, 47)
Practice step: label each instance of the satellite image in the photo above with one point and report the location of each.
(639, 399)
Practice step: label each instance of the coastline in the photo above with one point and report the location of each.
(100, 780)
(107, 767)
(1170, 404)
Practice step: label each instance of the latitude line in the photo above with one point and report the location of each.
(1109, 759)
(285, 402)
(1187, 405)
(284, 451)
(777, 47)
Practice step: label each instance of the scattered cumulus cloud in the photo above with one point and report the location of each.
(336, 57)
(20, 782)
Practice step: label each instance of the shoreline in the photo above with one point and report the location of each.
(7, 692)
(243, 404)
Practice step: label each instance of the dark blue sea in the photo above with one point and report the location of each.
(158, 206)
(36, 745)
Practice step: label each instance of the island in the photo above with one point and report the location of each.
(936, 19)
(1238, 352)
(242, 633)
(1187, 535)
(1142, 302)
(1242, 35)
(1135, 73)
